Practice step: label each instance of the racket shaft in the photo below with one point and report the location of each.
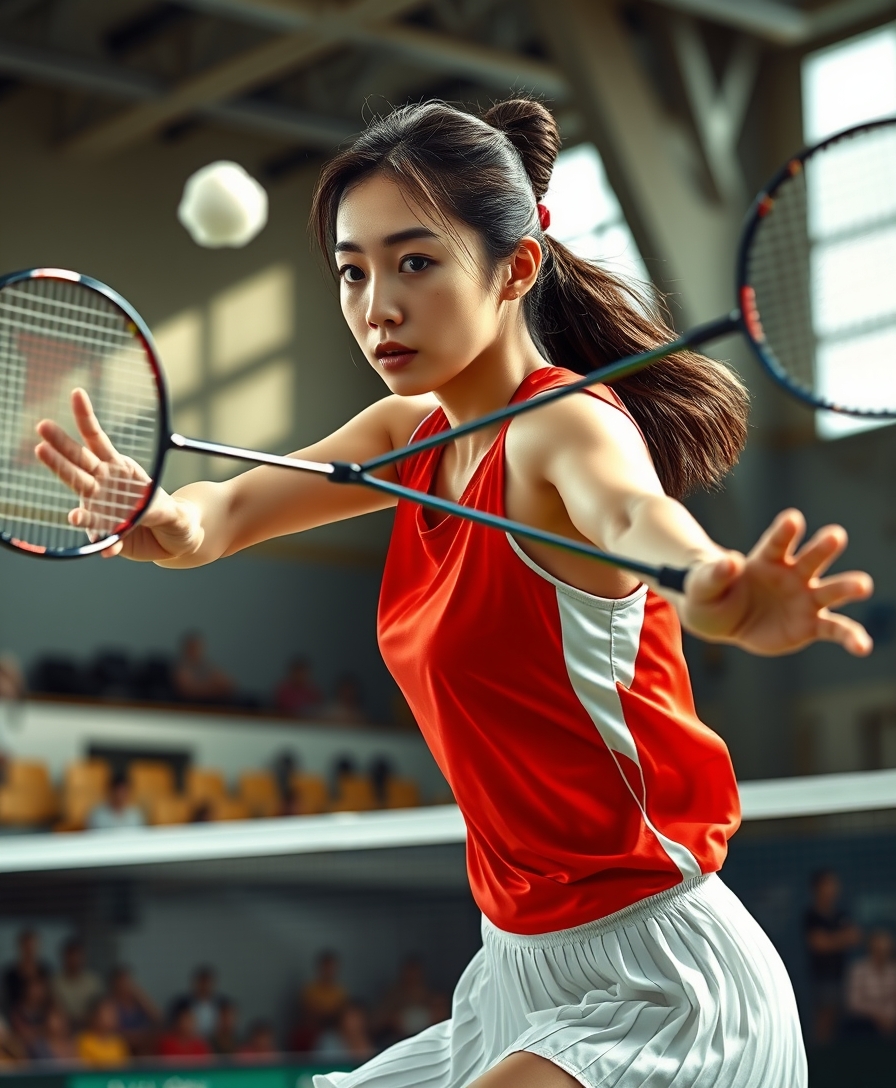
(671, 577)
(237, 453)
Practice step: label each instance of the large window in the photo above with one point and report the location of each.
(586, 216)
(854, 320)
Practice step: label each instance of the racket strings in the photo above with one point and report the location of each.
(56, 335)
(823, 267)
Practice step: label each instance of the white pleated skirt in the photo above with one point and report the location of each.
(681, 990)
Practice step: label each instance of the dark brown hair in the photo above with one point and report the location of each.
(489, 172)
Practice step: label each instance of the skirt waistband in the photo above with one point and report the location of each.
(650, 907)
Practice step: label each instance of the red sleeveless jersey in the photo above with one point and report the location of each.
(563, 722)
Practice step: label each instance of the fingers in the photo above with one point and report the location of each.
(814, 558)
(780, 539)
(843, 588)
(851, 635)
(73, 476)
(93, 434)
(71, 450)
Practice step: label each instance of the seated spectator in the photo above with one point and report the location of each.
(349, 1040)
(259, 1043)
(138, 1017)
(28, 1016)
(27, 966)
(11, 1050)
(57, 1043)
(380, 773)
(117, 812)
(75, 988)
(102, 1044)
(324, 997)
(225, 1039)
(204, 1000)
(346, 707)
(410, 1005)
(297, 694)
(196, 679)
(871, 986)
(182, 1040)
(830, 934)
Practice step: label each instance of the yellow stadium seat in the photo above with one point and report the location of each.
(87, 775)
(24, 774)
(402, 793)
(168, 809)
(311, 793)
(76, 807)
(27, 795)
(259, 793)
(204, 784)
(355, 793)
(149, 779)
(228, 808)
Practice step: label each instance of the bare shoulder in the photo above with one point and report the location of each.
(401, 416)
(572, 423)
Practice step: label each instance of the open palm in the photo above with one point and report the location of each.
(776, 600)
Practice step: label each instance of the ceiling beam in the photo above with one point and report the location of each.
(494, 67)
(232, 77)
(57, 69)
(777, 22)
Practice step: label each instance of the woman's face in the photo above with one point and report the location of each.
(405, 283)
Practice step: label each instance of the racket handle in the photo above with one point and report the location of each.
(673, 577)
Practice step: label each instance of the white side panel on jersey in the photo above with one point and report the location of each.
(601, 638)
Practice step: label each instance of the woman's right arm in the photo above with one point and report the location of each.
(206, 521)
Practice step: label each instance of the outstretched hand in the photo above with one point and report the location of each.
(110, 488)
(776, 600)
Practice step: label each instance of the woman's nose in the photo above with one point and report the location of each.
(382, 308)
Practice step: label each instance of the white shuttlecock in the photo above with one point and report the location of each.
(223, 205)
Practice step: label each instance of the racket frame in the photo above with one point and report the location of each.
(144, 335)
(751, 321)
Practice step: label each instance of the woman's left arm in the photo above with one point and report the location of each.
(776, 599)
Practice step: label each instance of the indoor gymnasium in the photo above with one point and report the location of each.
(447, 609)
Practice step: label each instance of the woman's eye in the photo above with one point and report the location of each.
(351, 273)
(415, 264)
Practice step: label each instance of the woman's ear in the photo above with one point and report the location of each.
(521, 270)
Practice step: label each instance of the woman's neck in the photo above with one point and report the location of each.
(490, 380)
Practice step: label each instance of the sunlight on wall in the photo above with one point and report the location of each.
(847, 84)
(227, 372)
(587, 217)
(256, 411)
(179, 341)
(251, 319)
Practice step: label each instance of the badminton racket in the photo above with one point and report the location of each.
(816, 291)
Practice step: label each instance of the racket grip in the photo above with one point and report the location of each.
(673, 577)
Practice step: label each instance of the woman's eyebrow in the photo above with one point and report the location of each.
(347, 246)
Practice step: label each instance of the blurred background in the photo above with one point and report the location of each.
(285, 886)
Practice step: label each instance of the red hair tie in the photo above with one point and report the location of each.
(544, 216)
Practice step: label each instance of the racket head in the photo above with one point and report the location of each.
(816, 273)
(60, 330)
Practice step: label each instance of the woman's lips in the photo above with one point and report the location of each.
(396, 360)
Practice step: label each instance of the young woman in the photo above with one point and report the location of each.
(551, 689)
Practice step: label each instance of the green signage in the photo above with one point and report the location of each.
(246, 1076)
